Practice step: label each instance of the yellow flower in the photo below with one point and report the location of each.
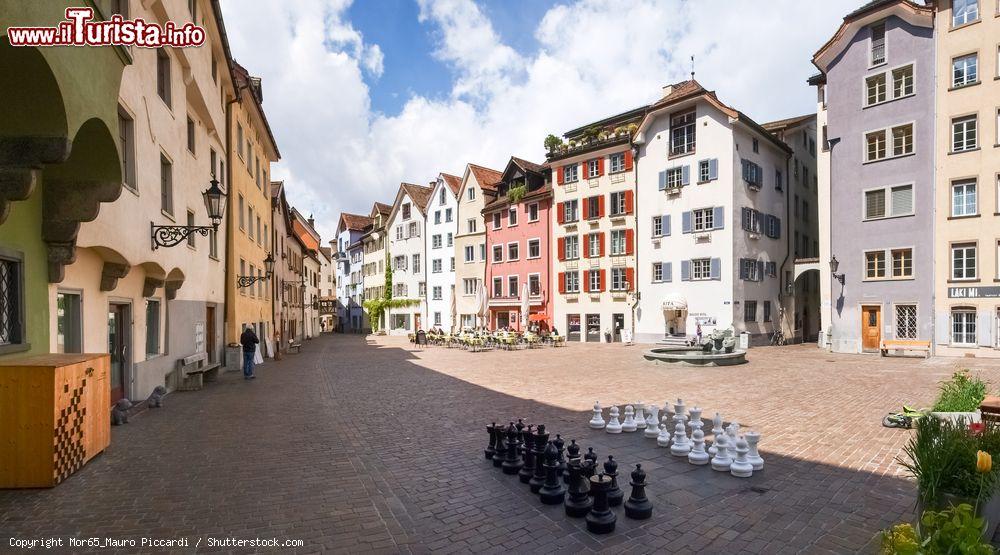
(984, 462)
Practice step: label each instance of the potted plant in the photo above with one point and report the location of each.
(959, 397)
(953, 530)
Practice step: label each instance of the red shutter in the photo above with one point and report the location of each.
(559, 175)
(601, 280)
(562, 248)
(600, 166)
(628, 202)
(562, 281)
(586, 209)
(628, 159)
(586, 245)
(600, 240)
(630, 278)
(560, 214)
(600, 206)
(629, 240)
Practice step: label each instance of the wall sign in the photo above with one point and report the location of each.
(991, 292)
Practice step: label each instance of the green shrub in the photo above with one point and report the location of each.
(962, 393)
(953, 530)
(942, 458)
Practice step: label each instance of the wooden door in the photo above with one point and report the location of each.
(118, 348)
(871, 328)
(210, 333)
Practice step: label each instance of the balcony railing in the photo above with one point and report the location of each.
(878, 53)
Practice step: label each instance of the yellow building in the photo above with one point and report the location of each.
(252, 149)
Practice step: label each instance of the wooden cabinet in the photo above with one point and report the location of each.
(54, 416)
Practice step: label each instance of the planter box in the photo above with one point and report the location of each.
(968, 417)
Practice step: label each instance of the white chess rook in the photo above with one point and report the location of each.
(597, 422)
(640, 416)
(753, 438)
(741, 467)
(614, 426)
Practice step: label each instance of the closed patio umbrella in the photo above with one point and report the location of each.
(481, 304)
(524, 307)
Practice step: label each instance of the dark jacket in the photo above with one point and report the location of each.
(249, 340)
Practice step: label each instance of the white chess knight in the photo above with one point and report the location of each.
(663, 438)
(614, 426)
(597, 422)
(652, 422)
(741, 467)
(682, 445)
(629, 424)
(721, 460)
(640, 416)
(753, 457)
(698, 455)
(732, 432)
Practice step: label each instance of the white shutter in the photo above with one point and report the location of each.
(902, 200)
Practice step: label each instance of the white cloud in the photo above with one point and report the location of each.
(595, 58)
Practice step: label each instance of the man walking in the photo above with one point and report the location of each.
(249, 341)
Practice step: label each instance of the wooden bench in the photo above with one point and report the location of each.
(905, 345)
(294, 347)
(194, 371)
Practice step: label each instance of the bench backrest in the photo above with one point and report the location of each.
(192, 362)
(906, 343)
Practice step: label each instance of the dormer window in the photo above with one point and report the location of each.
(682, 133)
(878, 44)
(406, 211)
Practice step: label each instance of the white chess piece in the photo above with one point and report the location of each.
(753, 457)
(681, 446)
(597, 422)
(717, 424)
(663, 438)
(665, 411)
(640, 416)
(694, 419)
(698, 455)
(721, 460)
(652, 422)
(741, 467)
(614, 426)
(629, 424)
(731, 434)
(679, 411)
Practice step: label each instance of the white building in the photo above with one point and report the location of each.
(479, 186)
(407, 222)
(711, 202)
(348, 259)
(439, 243)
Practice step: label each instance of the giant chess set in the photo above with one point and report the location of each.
(564, 474)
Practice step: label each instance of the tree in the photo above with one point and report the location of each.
(552, 143)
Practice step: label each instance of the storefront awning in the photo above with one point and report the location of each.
(674, 302)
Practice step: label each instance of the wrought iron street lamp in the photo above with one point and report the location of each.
(173, 235)
(834, 265)
(247, 281)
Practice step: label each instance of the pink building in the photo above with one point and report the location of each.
(518, 236)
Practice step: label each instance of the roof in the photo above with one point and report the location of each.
(908, 10)
(486, 177)
(452, 181)
(382, 208)
(244, 83)
(418, 193)
(542, 192)
(353, 222)
(327, 252)
(528, 166)
(307, 235)
(787, 123)
(631, 115)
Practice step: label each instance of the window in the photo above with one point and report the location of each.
(964, 11)
(572, 247)
(534, 285)
(963, 134)
(512, 217)
(436, 241)
(767, 311)
(963, 261)
(437, 317)
(512, 289)
(496, 220)
(406, 211)
(152, 328)
(701, 268)
(399, 232)
(470, 253)
(963, 198)
(470, 225)
(619, 280)
(657, 226)
(900, 202)
(779, 181)
(617, 162)
(497, 253)
(436, 292)
(593, 169)
(190, 223)
(618, 206)
(436, 266)
(470, 193)
(11, 299)
(964, 70)
(875, 88)
(470, 286)
(902, 81)
(593, 245)
(751, 269)
(749, 311)
(533, 212)
(69, 329)
(447, 214)
(751, 220)
(572, 282)
(570, 173)
(570, 212)
(703, 171)
(437, 216)
(753, 174)
(593, 280)
(482, 251)
(682, 133)
(512, 252)
(875, 265)
(876, 146)
(963, 326)
(166, 186)
(498, 287)
(239, 139)
(755, 144)
(163, 75)
(906, 321)
(126, 136)
(875, 204)
(675, 178)
(902, 263)
(441, 196)
(902, 140)
(878, 44)
(593, 207)
(412, 230)
(190, 135)
(657, 272)
(704, 219)
(416, 263)
(534, 248)
(452, 263)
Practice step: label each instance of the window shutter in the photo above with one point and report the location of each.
(768, 223)
(743, 269)
(666, 224)
(716, 268)
(662, 176)
(600, 206)
(629, 197)
(628, 159)
(629, 241)
(685, 222)
(713, 169)
(586, 208)
(745, 165)
(777, 227)
(760, 270)
(745, 218)
(600, 166)
(561, 246)
(581, 171)
(902, 200)
(984, 327)
(600, 242)
(601, 274)
(560, 211)
(586, 246)
(685, 176)
(667, 271)
(630, 278)
(562, 282)
(718, 217)
(560, 176)
(685, 270)
(943, 329)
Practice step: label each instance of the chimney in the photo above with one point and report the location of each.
(312, 222)
(258, 91)
(667, 89)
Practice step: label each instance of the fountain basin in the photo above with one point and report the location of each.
(690, 356)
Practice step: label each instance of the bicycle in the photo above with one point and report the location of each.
(778, 338)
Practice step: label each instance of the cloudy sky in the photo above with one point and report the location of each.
(362, 95)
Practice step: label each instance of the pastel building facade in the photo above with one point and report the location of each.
(407, 254)
(350, 229)
(442, 225)
(518, 247)
(375, 259)
(477, 189)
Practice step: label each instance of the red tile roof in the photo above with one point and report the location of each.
(355, 222)
(420, 194)
(453, 182)
(487, 178)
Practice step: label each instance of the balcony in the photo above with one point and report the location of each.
(878, 53)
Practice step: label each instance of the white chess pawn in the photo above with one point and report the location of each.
(732, 432)
(741, 467)
(698, 455)
(640, 416)
(652, 423)
(681, 446)
(614, 426)
(629, 424)
(597, 422)
(663, 438)
(665, 411)
(753, 457)
(721, 460)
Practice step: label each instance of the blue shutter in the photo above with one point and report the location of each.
(716, 268)
(718, 217)
(668, 271)
(685, 270)
(760, 270)
(666, 224)
(746, 169)
(663, 180)
(713, 169)
(685, 175)
(768, 225)
(743, 269)
(686, 222)
(744, 219)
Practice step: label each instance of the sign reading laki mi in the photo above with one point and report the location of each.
(991, 292)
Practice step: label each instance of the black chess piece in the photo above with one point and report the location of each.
(601, 519)
(579, 503)
(560, 444)
(520, 436)
(553, 491)
(572, 452)
(590, 455)
(501, 449)
(638, 506)
(615, 493)
(492, 447)
(541, 439)
(528, 470)
(513, 463)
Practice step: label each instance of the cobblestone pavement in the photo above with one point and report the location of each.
(371, 445)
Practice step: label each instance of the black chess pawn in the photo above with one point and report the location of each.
(601, 519)
(492, 447)
(553, 491)
(560, 444)
(528, 470)
(579, 503)
(541, 440)
(638, 506)
(513, 463)
(501, 449)
(590, 455)
(572, 452)
(615, 493)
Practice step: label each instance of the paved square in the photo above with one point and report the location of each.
(372, 445)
